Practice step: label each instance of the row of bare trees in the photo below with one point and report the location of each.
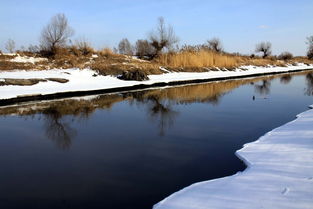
(57, 32)
(161, 39)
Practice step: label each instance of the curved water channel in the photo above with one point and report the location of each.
(131, 150)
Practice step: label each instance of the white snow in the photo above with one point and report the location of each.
(83, 80)
(25, 59)
(279, 174)
(138, 59)
(165, 70)
(10, 54)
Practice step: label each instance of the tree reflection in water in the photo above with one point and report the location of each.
(309, 81)
(285, 79)
(263, 88)
(158, 104)
(163, 113)
(156, 109)
(57, 129)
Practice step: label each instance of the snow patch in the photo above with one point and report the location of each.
(163, 69)
(138, 59)
(10, 54)
(279, 174)
(25, 59)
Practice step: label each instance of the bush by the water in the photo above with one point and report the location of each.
(134, 75)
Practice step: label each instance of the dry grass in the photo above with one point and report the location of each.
(107, 52)
(109, 63)
(199, 59)
(203, 59)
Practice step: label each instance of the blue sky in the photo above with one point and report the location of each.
(239, 24)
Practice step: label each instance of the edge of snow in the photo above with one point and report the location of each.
(279, 174)
(84, 80)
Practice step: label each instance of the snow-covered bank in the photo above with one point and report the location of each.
(279, 174)
(88, 80)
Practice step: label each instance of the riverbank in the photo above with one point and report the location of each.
(61, 83)
(279, 174)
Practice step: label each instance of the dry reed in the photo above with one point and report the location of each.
(196, 59)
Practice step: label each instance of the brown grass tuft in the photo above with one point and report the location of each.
(106, 52)
(199, 59)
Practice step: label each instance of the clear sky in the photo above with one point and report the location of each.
(240, 24)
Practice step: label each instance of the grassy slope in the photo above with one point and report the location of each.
(107, 62)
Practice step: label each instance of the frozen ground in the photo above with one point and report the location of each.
(86, 79)
(279, 174)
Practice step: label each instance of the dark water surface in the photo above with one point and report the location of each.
(131, 150)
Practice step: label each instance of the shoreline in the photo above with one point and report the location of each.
(279, 174)
(156, 81)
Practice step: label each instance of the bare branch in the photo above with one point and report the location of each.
(215, 44)
(265, 48)
(310, 48)
(56, 33)
(124, 47)
(10, 46)
(162, 37)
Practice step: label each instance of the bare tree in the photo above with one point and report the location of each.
(124, 47)
(33, 48)
(265, 48)
(310, 48)
(10, 46)
(163, 37)
(143, 48)
(215, 44)
(56, 33)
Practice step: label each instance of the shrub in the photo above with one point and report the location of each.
(84, 47)
(144, 49)
(137, 75)
(285, 56)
